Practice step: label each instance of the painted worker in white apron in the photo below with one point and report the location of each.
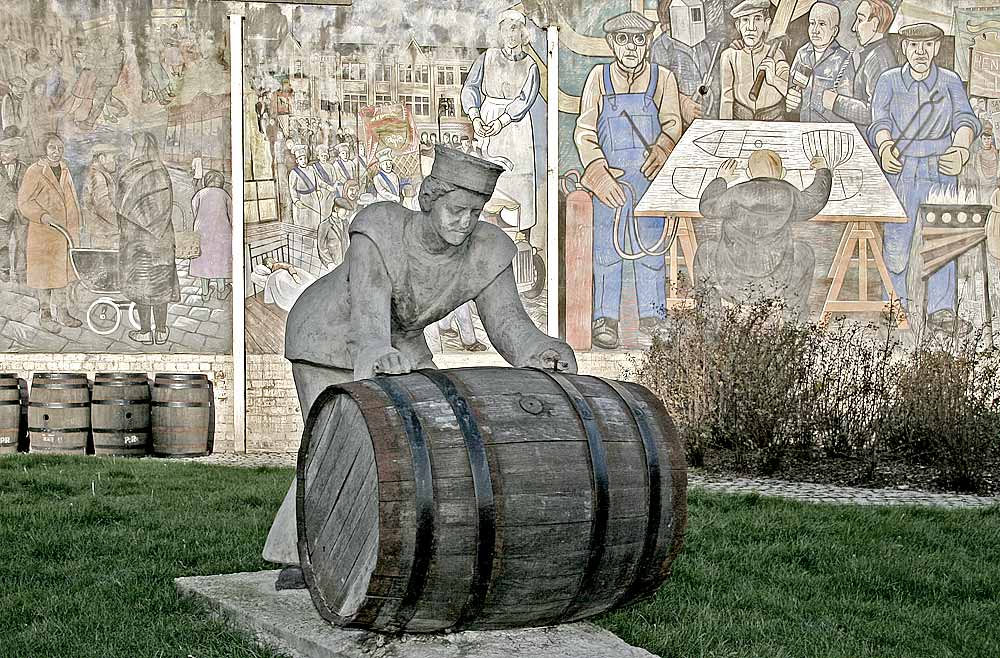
(498, 94)
(303, 187)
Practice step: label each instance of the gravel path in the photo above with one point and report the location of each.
(802, 491)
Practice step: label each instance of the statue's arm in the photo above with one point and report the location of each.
(371, 298)
(512, 332)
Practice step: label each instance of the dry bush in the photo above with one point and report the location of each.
(747, 380)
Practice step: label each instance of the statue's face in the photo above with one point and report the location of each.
(455, 214)
(7, 155)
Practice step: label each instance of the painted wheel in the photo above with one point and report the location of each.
(133, 316)
(539, 285)
(103, 316)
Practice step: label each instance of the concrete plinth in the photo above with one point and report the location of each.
(288, 621)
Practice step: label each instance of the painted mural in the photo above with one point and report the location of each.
(343, 107)
(838, 154)
(115, 210)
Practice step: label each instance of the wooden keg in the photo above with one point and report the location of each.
(10, 412)
(486, 498)
(120, 413)
(181, 413)
(59, 413)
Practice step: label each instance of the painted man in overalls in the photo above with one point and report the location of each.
(922, 127)
(629, 122)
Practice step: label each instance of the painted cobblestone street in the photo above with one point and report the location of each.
(196, 325)
(801, 491)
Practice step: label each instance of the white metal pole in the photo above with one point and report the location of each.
(552, 239)
(239, 383)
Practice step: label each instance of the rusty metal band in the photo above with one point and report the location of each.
(134, 430)
(599, 490)
(59, 430)
(482, 483)
(646, 564)
(180, 405)
(9, 402)
(423, 481)
(121, 402)
(59, 405)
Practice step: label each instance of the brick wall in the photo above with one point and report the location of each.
(274, 421)
(219, 369)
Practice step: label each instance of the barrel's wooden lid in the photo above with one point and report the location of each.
(337, 507)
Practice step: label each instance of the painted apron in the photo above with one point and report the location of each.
(305, 189)
(387, 189)
(514, 146)
(625, 150)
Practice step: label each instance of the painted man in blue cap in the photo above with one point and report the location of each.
(922, 127)
(403, 271)
(629, 122)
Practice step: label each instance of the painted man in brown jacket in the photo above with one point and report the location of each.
(47, 198)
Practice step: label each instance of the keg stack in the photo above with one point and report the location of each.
(119, 415)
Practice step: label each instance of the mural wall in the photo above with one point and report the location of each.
(115, 207)
(343, 107)
(839, 155)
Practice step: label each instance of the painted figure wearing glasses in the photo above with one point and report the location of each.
(629, 123)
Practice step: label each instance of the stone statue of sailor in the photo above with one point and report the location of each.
(404, 270)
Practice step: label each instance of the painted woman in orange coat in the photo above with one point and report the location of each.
(48, 197)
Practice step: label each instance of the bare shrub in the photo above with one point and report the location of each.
(748, 380)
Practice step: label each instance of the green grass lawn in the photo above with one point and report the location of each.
(89, 549)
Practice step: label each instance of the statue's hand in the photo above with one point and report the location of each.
(557, 356)
(393, 362)
(388, 362)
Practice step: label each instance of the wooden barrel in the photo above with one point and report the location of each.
(120, 413)
(486, 498)
(10, 412)
(59, 413)
(181, 413)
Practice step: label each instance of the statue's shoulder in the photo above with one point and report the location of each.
(381, 222)
(491, 245)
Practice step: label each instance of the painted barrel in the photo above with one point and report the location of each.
(59, 413)
(120, 413)
(486, 498)
(10, 412)
(181, 411)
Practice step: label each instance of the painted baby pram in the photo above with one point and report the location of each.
(97, 271)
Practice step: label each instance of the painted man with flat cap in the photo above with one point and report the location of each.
(922, 127)
(738, 68)
(629, 122)
(405, 270)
